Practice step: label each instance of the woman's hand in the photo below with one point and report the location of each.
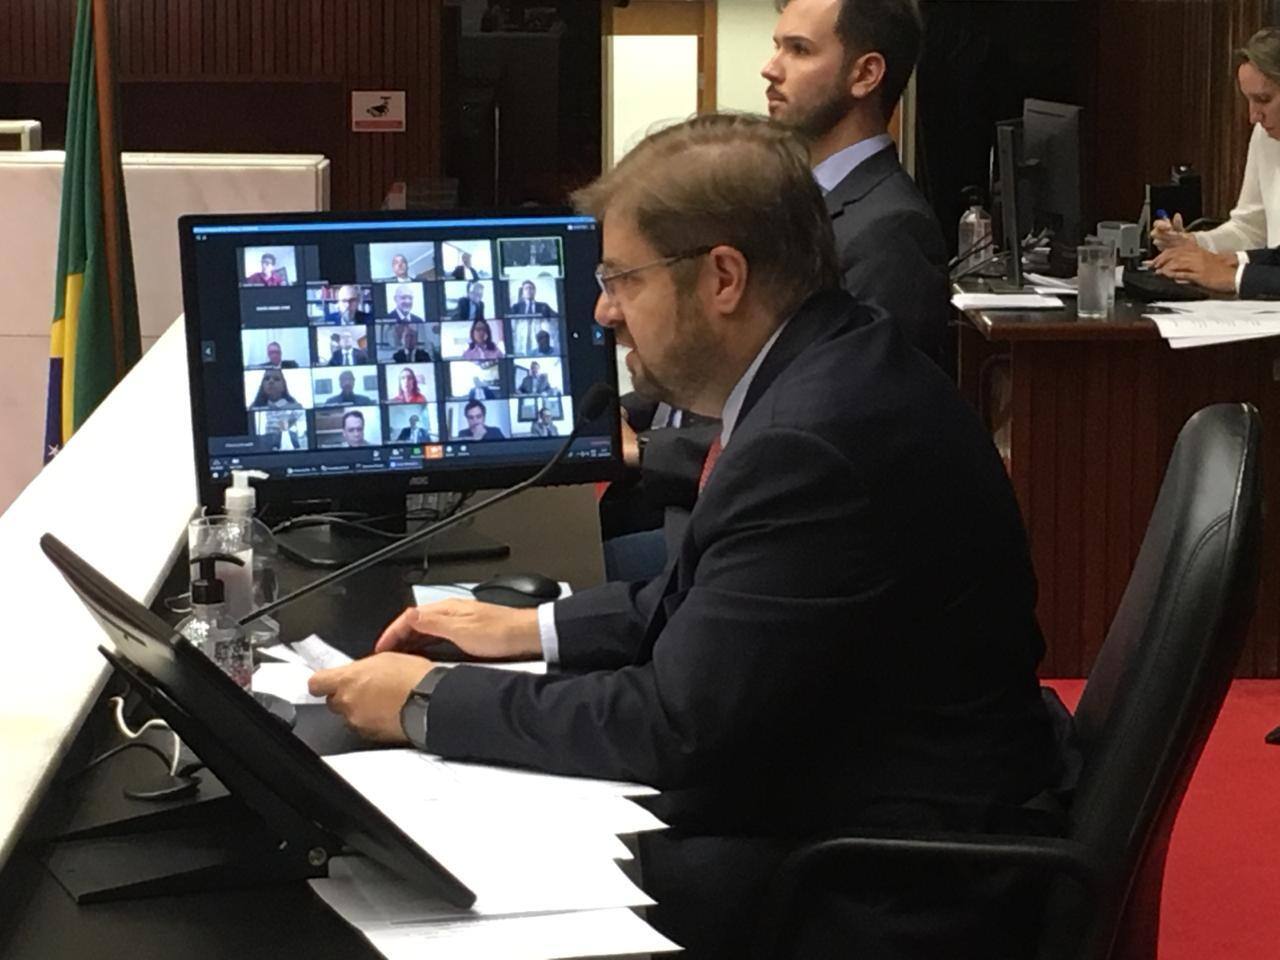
(1170, 234)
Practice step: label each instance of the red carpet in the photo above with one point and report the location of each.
(1222, 880)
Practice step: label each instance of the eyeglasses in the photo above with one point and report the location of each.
(607, 280)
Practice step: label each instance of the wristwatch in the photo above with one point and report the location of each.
(413, 715)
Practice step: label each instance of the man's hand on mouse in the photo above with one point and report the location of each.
(369, 693)
(483, 630)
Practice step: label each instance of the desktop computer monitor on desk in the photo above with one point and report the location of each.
(1038, 156)
(359, 358)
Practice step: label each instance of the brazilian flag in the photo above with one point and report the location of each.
(95, 338)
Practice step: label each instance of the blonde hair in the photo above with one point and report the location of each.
(1263, 51)
(731, 179)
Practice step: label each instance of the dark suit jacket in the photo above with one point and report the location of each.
(462, 311)
(892, 259)
(419, 356)
(1261, 278)
(395, 318)
(891, 250)
(846, 635)
(357, 356)
(465, 273)
(540, 309)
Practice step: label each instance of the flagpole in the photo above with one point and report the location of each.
(109, 160)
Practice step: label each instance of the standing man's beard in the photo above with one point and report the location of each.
(817, 120)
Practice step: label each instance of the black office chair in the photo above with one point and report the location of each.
(1146, 711)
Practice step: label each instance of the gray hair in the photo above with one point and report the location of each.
(1263, 51)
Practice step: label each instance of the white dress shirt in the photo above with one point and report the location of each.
(1255, 220)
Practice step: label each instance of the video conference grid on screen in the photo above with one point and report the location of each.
(425, 349)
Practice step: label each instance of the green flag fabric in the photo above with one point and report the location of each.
(89, 350)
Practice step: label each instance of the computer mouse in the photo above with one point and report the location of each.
(517, 590)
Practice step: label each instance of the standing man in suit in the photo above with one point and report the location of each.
(837, 72)
(847, 635)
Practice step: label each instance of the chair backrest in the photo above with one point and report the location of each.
(1163, 671)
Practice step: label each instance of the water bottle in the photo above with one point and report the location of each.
(211, 629)
(241, 504)
(975, 233)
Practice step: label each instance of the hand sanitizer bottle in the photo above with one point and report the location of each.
(211, 629)
(241, 504)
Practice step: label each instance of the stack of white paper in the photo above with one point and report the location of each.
(1202, 323)
(538, 850)
(1005, 301)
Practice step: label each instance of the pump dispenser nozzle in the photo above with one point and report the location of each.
(242, 499)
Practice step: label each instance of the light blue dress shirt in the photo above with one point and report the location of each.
(840, 164)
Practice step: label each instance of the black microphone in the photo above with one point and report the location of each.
(595, 403)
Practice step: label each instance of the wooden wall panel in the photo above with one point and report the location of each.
(277, 44)
(1163, 90)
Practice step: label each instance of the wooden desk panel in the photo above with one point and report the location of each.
(1094, 419)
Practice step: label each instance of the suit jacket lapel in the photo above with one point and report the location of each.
(862, 179)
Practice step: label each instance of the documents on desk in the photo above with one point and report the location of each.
(1005, 301)
(1203, 323)
(539, 851)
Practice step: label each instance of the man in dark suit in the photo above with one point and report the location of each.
(403, 313)
(529, 305)
(471, 307)
(464, 270)
(347, 354)
(413, 433)
(275, 358)
(410, 352)
(847, 634)
(837, 73)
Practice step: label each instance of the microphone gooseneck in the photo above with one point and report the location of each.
(594, 403)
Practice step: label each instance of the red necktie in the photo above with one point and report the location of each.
(713, 454)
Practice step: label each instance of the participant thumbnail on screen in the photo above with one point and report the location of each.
(408, 342)
(410, 383)
(413, 423)
(535, 338)
(406, 303)
(530, 298)
(538, 377)
(344, 305)
(277, 389)
(467, 259)
(268, 266)
(541, 416)
(469, 300)
(475, 420)
(284, 347)
(345, 386)
(401, 262)
(342, 347)
(474, 340)
(529, 258)
(281, 431)
(348, 427)
(475, 380)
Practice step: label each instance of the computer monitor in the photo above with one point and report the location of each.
(1051, 153)
(357, 358)
(1039, 161)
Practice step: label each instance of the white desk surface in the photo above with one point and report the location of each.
(120, 495)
